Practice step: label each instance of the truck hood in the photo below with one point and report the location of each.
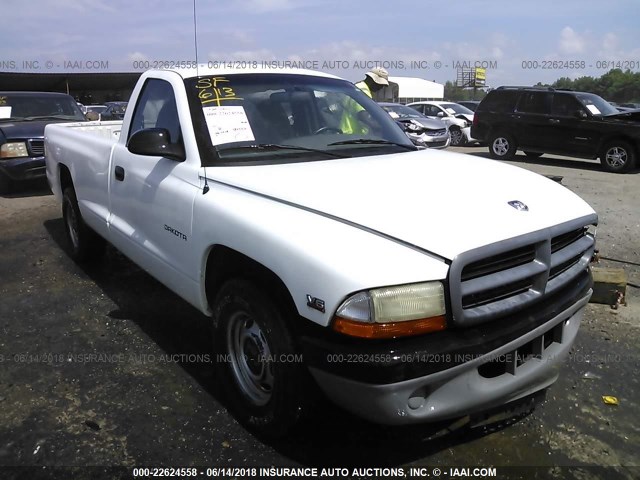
(17, 130)
(443, 202)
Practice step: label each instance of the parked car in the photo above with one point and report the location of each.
(113, 111)
(470, 104)
(457, 117)
(456, 283)
(23, 116)
(93, 111)
(422, 130)
(545, 120)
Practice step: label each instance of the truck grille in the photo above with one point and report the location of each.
(510, 276)
(36, 148)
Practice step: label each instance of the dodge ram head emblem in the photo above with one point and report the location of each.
(518, 205)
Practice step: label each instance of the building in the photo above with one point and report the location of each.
(412, 89)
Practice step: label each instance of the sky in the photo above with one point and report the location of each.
(520, 42)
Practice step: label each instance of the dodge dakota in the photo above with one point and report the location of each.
(408, 285)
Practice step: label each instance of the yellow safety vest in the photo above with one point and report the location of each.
(362, 85)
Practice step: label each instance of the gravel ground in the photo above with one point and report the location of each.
(106, 367)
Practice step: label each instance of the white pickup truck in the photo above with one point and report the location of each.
(410, 286)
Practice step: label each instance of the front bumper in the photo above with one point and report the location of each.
(517, 369)
(23, 168)
(451, 373)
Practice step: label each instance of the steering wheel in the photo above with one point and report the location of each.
(327, 129)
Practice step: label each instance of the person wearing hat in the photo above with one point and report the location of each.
(376, 79)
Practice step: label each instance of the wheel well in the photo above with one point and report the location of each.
(65, 177)
(618, 138)
(224, 263)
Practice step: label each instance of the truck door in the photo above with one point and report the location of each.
(151, 198)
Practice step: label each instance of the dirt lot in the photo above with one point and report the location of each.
(105, 367)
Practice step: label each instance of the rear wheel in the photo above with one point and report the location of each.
(617, 157)
(502, 146)
(260, 371)
(85, 244)
(533, 154)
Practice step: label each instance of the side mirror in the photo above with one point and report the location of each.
(155, 142)
(440, 114)
(579, 113)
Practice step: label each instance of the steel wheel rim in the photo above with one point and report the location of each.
(616, 157)
(500, 146)
(250, 358)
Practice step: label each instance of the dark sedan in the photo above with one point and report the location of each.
(23, 116)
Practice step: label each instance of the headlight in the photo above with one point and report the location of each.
(14, 150)
(393, 311)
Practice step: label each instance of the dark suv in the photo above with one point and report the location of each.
(563, 122)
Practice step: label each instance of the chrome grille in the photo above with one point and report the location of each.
(36, 148)
(510, 276)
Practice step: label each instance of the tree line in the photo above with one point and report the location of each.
(614, 86)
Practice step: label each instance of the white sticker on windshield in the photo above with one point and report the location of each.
(394, 115)
(450, 111)
(5, 112)
(593, 109)
(228, 124)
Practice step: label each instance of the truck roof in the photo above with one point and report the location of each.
(262, 67)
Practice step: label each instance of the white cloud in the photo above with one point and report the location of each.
(610, 42)
(571, 42)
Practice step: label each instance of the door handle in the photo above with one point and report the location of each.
(119, 173)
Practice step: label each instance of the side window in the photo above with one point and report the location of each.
(156, 108)
(535, 102)
(419, 108)
(431, 110)
(502, 101)
(564, 105)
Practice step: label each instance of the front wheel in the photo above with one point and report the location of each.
(457, 137)
(618, 157)
(86, 245)
(258, 367)
(502, 146)
(6, 186)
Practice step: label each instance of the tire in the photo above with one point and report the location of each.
(533, 154)
(618, 157)
(254, 351)
(502, 146)
(85, 245)
(457, 137)
(6, 185)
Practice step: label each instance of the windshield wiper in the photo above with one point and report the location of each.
(371, 141)
(277, 146)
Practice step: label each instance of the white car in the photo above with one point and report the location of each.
(457, 117)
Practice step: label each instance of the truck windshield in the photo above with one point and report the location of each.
(290, 118)
(29, 107)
